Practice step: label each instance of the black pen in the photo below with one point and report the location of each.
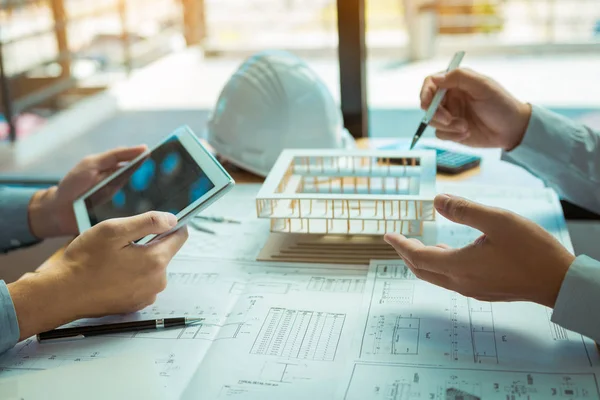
(80, 332)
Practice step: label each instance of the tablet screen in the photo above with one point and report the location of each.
(168, 179)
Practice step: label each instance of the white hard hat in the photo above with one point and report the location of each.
(274, 101)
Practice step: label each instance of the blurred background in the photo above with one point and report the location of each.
(80, 76)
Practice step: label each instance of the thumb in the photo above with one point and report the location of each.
(465, 212)
(463, 79)
(133, 228)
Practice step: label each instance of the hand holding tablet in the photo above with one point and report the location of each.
(178, 176)
(100, 273)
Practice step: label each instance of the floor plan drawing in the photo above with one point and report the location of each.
(396, 335)
(299, 342)
(397, 382)
(408, 321)
(256, 314)
(483, 335)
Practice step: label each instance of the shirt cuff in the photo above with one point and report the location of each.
(16, 212)
(9, 325)
(560, 152)
(549, 140)
(576, 306)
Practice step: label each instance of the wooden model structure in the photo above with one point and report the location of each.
(349, 192)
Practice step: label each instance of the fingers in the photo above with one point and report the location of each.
(428, 91)
(459, 126)
(107, 172)
(448, 127)
(171, 244)
(406, 248)
(433, 277)
(466, 80)
(462, 211)
(414, 253)
(451, 135)
(127, 230)
(111, 159)
(421, 257)
(442, 116)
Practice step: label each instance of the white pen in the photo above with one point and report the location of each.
(437, 100)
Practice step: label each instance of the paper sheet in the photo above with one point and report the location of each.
(271, 330)
(129, 377)
(406, 320)
(540, 205)
(421, 341)
(298, 324)
(277, 330)
(194, 289)
(404, 382)
(230, 241)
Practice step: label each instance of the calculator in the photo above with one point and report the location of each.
(450, 162)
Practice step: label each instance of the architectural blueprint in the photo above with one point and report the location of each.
(269, 330)
(420, 341)
(302, 324)
(411, 321)
(275, 330)
(402, 382)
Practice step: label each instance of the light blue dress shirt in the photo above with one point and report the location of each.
(14, 233)
(566, 156)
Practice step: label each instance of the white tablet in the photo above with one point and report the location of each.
(179, 176)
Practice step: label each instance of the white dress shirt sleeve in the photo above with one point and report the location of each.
(566, 155)
(576, 307)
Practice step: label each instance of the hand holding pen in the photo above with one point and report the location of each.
(477, 110)
(437, 100)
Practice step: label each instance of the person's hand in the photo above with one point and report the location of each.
(476, 110)
(51, 210)
(100, 273)
(514, 259)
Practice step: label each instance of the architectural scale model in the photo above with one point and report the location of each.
(344, 192)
